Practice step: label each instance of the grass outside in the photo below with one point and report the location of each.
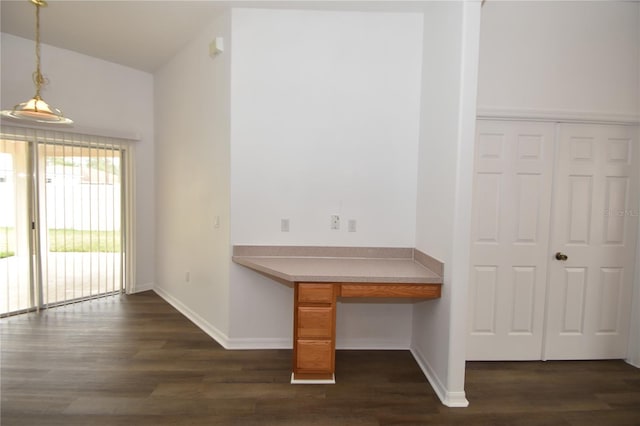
(71, 240)
(67, 240)
(7, 241)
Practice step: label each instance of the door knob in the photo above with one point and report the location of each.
(561, 256)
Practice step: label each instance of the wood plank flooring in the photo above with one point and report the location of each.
(134, 360)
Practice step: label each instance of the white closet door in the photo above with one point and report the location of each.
(594, 224)
(510, 236)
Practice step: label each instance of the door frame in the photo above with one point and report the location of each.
(35, 195)
(633, 351)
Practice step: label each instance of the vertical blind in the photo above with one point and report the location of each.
(71, 213)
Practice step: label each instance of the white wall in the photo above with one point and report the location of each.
(575, 58)
(100, 95)
(563, 60)
(192, 104)
(444, 189)
(325, 121)
(325, 112)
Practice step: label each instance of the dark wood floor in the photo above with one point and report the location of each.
(134, 360)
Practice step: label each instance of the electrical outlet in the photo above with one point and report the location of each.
(352, 225)
(284, 225)
(335, 221)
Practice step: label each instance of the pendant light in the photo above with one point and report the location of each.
(36, 109)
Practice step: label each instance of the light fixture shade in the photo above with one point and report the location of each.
(36, 109)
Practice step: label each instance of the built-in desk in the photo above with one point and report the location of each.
(322, 274)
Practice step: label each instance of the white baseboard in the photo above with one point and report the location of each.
(203, 324)
(287, 343)
(450, 399)
(258, 343)
(632, 362)
(229, 343)
(139, 288)
(249, 343)
(372, 344)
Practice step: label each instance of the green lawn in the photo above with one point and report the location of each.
(7, 238)
(66, 240)
(70, 240)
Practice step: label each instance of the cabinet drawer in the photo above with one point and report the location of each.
(314, 356)
(315, 293)
(315, 321)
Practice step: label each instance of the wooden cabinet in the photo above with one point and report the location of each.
(314, 331)
(412, 275)
(421, 291)
(315, 357)
(316, 293)
(314, 322)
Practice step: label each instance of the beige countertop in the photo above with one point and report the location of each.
(341, 264)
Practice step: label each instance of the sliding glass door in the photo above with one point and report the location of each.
(80, 221)
(63, 203)
(16, 276)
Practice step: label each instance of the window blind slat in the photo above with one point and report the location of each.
(78, 200)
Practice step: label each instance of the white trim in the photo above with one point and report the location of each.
(556, 116)
(129, 216)
(258, 343)
(452, 393)
(450, 399)
(139, 288)
(368, 344)
(313, 381)
(287, 343)
(200, 322)
(248, 343)
(633, 363)
(633, 350)
(130, 136)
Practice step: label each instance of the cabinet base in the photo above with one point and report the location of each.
(331, 381)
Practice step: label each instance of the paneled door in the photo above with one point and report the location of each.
(595, 226)
(555, 216)
(510, 235)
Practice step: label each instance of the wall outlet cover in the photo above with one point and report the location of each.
(335, 221)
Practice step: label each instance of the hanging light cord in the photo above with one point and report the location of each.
(38, 78)
(36, 109)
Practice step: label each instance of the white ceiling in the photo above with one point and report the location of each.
(142, 34)
(138, 34)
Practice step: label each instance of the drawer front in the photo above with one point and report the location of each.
(315, 293)
(314, 356)
(314, 322)
(422, 291)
